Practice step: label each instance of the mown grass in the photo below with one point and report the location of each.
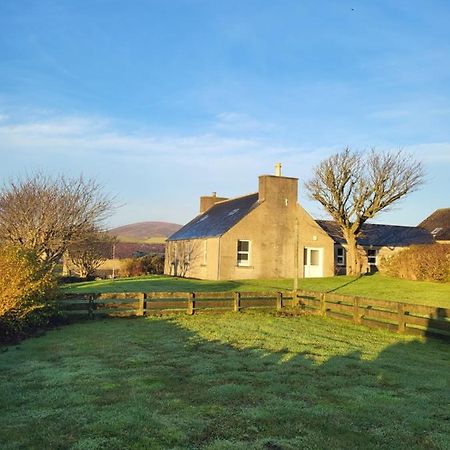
(232, 381)
(371, 286)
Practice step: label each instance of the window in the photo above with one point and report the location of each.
(231, 213)
(372, 257)
(340, 256)
(314, 257)
(243, 253)
(436, 231)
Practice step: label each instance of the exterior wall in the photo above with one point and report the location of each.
(382, 252)
(312, 235)
(275, 228)
(271, 228)
(190, 258)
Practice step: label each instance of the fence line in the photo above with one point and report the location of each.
(395, 316)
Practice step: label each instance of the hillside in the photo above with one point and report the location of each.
(145, 232)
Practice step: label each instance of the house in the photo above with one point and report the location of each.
(268, 234)
(438, 224)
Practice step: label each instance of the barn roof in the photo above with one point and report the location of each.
(381, 235)
(218, 219)
(438, 224)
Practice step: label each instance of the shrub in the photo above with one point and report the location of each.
(420, 262)
(153, 264)
(146, 265)
(26, 287)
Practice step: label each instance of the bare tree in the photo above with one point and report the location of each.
(45, 215)
(87, 253)
(354, 187)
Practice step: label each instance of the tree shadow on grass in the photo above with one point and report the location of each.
(162, 383)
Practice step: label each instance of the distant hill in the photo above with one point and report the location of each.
(145, 232)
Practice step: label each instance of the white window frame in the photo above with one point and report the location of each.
(340, 256)
(370, 261)
(243, 263)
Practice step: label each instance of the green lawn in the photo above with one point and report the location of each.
(373, 286)
(231, 381)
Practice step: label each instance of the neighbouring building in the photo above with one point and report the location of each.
(438, 224)
(268, 234)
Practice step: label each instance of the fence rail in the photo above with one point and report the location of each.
(394, 316)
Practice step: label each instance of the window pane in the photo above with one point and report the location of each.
(305, 256)
(314, 257)
(242, 256)
(243, 246)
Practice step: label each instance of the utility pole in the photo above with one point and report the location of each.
(296, 256)
(113, 261)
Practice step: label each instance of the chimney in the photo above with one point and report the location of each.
(278, 189)
(207, 201)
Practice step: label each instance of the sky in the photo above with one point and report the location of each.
(164, 101)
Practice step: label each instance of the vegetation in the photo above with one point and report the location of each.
(145, 265)
(371, 286)
(45, 215)
(422, 262)
(89, 252)
(25, 290)
(231, 381)
(354, 187)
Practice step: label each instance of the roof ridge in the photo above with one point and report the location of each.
(234, 198)
(371, 223)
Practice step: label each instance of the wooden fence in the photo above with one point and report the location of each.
(394, 316)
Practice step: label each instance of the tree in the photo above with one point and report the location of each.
(354, 187)
(87, 253)
(45, 215)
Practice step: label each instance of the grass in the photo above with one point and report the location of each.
(232, 381)
(372, 286)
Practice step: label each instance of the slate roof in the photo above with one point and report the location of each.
(218, 219)
(438, 224)
(381, 235)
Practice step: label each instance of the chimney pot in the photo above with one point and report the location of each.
(278, 169)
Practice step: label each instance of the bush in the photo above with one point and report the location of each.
(146, 265)
(26, 289)
(420, 262)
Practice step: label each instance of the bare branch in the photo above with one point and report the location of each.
(353, 187)
(46, 215)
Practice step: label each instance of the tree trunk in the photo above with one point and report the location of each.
(353, 257)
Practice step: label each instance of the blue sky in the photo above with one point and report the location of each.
(164, 101)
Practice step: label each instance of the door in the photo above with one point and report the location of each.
(312, 262)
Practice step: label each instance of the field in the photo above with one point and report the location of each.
(229, 381)
(373, 286)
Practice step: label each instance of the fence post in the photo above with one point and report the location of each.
(323, 304)
(356, 315)
(237, 302)
(191, 304)
(143, 304)
(91, 307)
(279, 301)
(401, 317)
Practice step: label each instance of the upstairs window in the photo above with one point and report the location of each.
(243, 253)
